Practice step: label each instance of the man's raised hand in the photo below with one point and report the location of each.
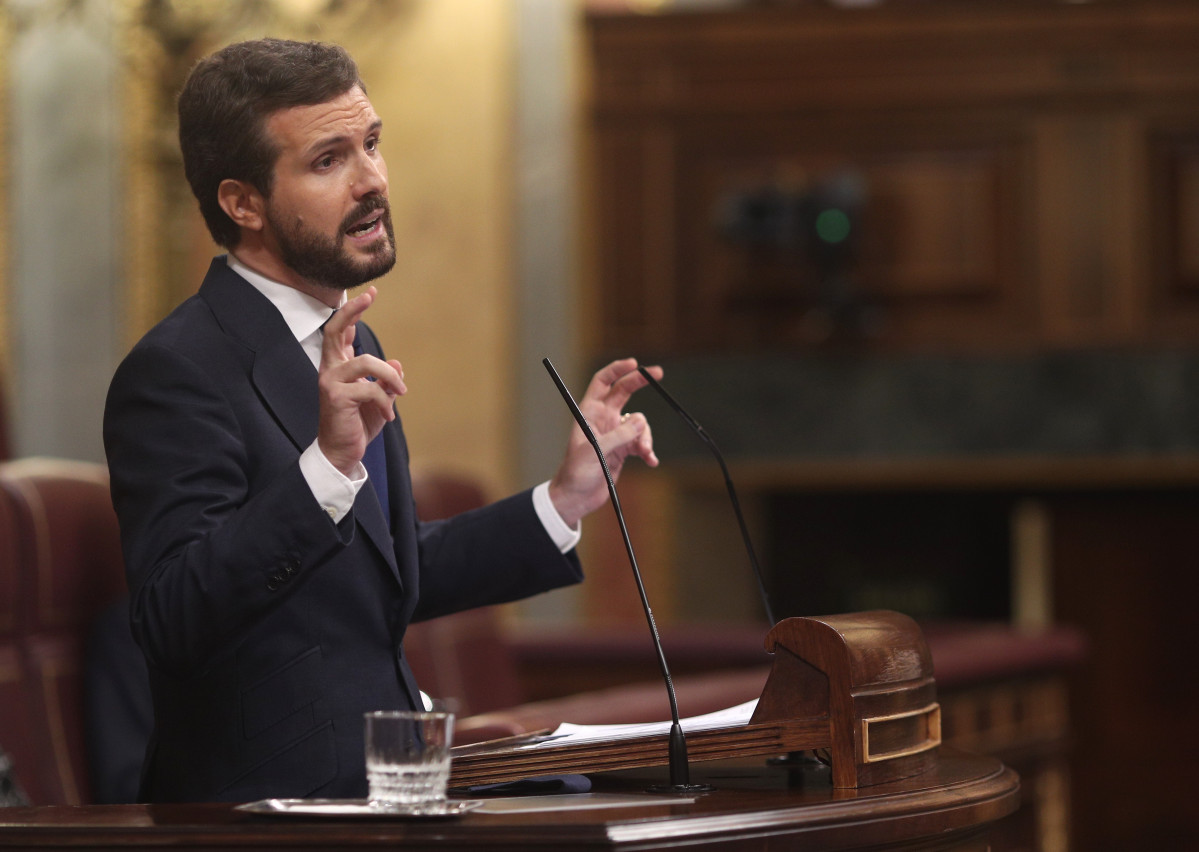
(579, 486)
(357, 393)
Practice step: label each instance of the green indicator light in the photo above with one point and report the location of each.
(832, 225)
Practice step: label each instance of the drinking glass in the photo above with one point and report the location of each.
(408, 758)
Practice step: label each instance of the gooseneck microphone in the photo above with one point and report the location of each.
(728, 482)
(680, 771)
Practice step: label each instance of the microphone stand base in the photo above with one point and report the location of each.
(680, 789)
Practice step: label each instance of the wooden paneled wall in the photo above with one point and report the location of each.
(1031, 173)
(1030, 187)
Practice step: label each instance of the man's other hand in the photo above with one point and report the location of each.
(579, 486)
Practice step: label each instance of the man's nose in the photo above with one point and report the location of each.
(371, 176)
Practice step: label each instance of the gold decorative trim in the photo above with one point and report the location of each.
(142, 67)
(932, 717)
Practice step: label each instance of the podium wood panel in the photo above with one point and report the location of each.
(858, 685)
(754, 806)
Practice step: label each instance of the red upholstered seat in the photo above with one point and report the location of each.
(16, 730)
(60, 564)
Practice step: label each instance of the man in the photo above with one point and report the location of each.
(271, 576)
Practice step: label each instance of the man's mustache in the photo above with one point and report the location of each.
(368, 205)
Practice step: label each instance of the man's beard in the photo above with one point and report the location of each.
(323, 260)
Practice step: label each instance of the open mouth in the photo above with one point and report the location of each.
(364, 226)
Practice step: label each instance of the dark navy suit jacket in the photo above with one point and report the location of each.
(267, 628)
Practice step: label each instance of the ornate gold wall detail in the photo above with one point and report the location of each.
(145, 216)
(159, 41)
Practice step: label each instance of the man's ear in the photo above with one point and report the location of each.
(242, 203)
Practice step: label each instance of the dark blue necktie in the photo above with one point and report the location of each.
(375, 461)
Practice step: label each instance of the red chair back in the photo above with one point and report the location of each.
(60, 565)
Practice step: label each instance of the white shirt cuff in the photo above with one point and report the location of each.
(563, 536)
(333, 490)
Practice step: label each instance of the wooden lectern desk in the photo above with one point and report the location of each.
(754, 807)
(857, 689)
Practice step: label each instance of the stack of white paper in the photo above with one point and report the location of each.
(568, 734)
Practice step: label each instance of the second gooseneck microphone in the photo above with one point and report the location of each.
(728, 484)
(680, 771)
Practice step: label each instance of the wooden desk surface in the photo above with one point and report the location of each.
(753, 807)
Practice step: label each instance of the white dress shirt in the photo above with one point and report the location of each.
(334, 491)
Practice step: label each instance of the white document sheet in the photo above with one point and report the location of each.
(568, 734)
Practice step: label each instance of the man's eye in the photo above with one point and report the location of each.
(324, 162)
(372, 144)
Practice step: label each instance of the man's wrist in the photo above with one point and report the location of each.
(563, 534)
(333, 490)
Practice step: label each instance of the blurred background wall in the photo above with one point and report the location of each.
(104, 240)
(926, 270)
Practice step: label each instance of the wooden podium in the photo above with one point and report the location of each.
(857, 687)
(755, 806)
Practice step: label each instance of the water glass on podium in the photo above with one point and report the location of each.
(408, 758)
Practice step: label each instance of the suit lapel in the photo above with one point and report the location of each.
(284, 378)
(369, 515)
(399, 485)
(402, 509)
(282, 374)
(286, 381)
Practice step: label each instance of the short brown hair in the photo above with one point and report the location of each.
(224, 106)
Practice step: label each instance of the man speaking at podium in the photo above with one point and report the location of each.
(259, 470)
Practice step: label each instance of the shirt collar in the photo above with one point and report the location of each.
(303, 314)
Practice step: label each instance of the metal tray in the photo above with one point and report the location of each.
(356, 808)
